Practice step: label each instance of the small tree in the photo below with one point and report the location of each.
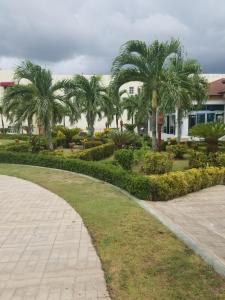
(211, 133)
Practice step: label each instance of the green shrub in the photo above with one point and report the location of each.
(125, 157)
(38, 143)
(123, 138)
(154, 187)
(176, 184)
(197, 159)
(95, 153)
(177, 150)
(157, 163)
(138, 186)
(18, 147)
(217, 159)
(91, 144)
(22, 137)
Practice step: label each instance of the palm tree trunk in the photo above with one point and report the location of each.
(154, 120)
(179, 124)
(29, 123)
(117, 121)
(3, 126)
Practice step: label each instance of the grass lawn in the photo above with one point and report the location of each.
(141, 258)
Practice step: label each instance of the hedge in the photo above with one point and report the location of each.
(154, 187)
(139, 186)
(95, 153)
(176, 184)
(22, 137)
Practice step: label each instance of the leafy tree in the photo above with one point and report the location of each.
(40, 98)
(211, 133)
(144, 63)
(183, 83)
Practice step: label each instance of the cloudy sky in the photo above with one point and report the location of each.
(83, 36)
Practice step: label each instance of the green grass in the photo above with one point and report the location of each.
(142, 260)
(6, 142)
(180, 165)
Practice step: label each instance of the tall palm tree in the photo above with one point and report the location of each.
(138, 61)
(40, 97)
(88, 95)
(183, 84)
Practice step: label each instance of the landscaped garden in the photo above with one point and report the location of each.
(140, 257)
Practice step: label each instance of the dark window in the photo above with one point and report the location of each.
(210, 117)
(200, 118)
(192, 120)
(131, 90)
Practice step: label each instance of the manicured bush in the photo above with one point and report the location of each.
(91, 144)
(176, 184)
(217, 159)
(138, 186)
(157, 163)
(178, 150)
(22, 137)
(18, 147)
(154, 187)
(197, 159)
(125, 157)
(95, 153)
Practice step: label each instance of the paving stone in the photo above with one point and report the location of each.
(200, 215)
(46, 252)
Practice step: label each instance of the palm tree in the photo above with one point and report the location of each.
(40, 97)
(2, 119)
(138, 61)
(88, 95)
(183, 83)
(131, 105)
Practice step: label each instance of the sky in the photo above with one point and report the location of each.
(83, 36)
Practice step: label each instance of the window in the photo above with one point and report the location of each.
(192, 120)
(131, 90)
(200, 118)
(210, 117)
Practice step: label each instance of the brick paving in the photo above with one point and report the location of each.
(45, 250)
(200, 216)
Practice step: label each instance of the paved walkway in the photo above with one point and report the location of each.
(199, 219)
(45, 250)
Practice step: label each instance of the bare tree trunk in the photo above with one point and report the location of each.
(154, 120)
(179, 125)
(29, 123)
(117, 121)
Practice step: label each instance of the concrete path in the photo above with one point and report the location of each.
(199, 220)
(45, 250)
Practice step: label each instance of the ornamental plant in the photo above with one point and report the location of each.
(125, 157)
(210, 132)
(157, 163)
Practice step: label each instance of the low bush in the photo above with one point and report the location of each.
(18, 147)
(217, 159)
(178, 150)
(22, 137)
(176, 184)
(154, 187)
(157, 163)
(91, 144)
(197, 159)
(124, 138)
(125, 157)
(38, 143)
(95, 153)
(138, 186)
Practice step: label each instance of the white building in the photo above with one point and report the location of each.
(212, 110)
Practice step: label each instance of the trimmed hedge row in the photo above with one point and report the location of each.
(95, 153)
(136, 185)
(175, 184)
(22, 137)
(154, 187)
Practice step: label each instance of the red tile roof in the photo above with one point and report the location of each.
(6, 83)
(217, 88)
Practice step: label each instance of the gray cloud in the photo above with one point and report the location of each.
(74, 36)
